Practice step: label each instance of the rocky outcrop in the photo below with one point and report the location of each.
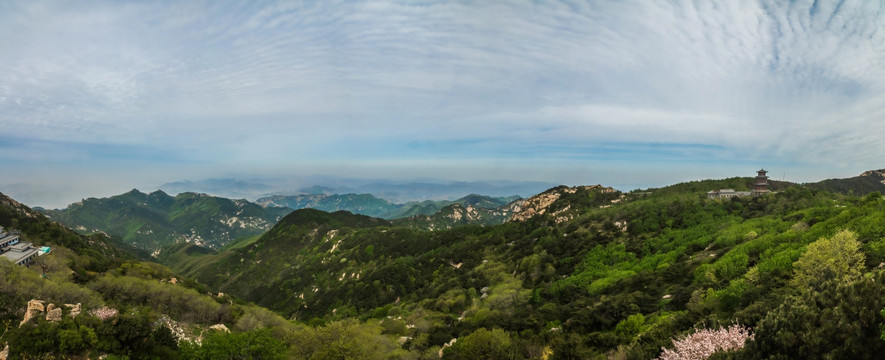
(74, 309)
(536, 205)
(18, 207)
(450, 343)
(4, 353)
(35, 307)
(878, 174)
(53, 313)
(177, 329)
(219, 327)
(541, 204)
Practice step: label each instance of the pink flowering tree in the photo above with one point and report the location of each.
(705, 342)
(103, 312)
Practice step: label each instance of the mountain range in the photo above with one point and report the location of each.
(396, 191)
(582, 272)
(368, 204)
(865, 183)
(152, 221)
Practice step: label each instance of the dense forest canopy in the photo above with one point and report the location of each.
(597, 274)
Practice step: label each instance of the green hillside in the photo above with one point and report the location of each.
(141, 310)
(575, 273)
(585, 272)
(127, 308)
(457, 215)
(367, 204)
(869, 181)
(152, 221)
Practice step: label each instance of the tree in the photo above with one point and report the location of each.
(705, 342)
(346, 339)
(837, 258)
(482, 344)
(842, 321)
(260, 344)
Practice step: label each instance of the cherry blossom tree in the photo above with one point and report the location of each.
(704, 342)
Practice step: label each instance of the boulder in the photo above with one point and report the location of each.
(34, 307)
(53, 313)
(75, 309)
(219, 327)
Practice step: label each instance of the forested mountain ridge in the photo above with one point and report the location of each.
(116, 305)
(457, 215)
(36, 228)
(368, 204)
(482, 212)
(865, 183)
(585, 272)
(365, 204)
(152, 221)
(598, 273)
(87, 300)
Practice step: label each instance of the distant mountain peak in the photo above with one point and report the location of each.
(150, 222)
(877, 173)
(21, 208)
(549, 202)
(865, 183)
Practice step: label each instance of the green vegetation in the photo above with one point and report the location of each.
(596, 275)
(593, 273)
(457, 215)
(152, 221)
(868, 182)
(367, 204)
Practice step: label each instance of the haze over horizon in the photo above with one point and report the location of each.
(99, 97)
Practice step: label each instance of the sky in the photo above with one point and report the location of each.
(99, 97)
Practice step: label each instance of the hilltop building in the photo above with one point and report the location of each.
(726, 193)
(760, 187)
(17, 251)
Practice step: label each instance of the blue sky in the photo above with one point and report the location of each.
(98, 97)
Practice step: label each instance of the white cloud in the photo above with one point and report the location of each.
(799, 82)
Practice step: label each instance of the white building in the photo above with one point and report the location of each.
(19, 252)
(726, 193)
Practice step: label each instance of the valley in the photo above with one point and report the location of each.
(572, 272)
(442, 180)
(153, 221)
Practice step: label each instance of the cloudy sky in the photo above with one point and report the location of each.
(98, 97)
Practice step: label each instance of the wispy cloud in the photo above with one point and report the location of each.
(288, 84)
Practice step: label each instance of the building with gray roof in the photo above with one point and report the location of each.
(17, 251)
